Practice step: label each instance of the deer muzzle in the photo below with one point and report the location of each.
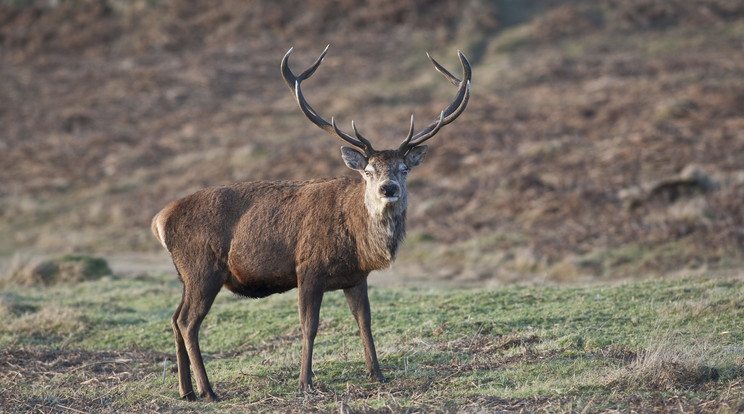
(389, 191)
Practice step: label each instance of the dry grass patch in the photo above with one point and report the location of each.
(77, 380)
(23, 272)
(50, 320)
(665, 367)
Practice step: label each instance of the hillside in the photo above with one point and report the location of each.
(603, 140)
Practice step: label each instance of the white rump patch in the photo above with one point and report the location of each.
(160, 227)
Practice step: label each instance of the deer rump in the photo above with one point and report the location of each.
(254, 237)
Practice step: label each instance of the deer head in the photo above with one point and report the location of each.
(384, 171)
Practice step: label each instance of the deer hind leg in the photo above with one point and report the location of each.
(359, 305)
(198, 295)
(185, 387)
(310, 298)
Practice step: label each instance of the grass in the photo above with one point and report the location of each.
(100, 346)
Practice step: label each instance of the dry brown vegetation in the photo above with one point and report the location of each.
(22, 271)
(567, 164)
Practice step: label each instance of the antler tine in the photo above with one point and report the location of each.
(309, 72)
(313, 116)
(434, 127)
(290, 78)
(404, 145)
(367, 144)
(450, 77)
(453, 110)
(293, 82)
(362, 144)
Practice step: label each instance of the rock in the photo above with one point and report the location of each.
(690, 181)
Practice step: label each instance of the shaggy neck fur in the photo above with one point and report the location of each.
(386, 229)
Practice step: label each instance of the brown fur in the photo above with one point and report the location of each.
(261, 238)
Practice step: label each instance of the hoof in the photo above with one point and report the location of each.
(211, 397)
(378, 377)
(189, 397)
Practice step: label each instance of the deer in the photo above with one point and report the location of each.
(259, 238)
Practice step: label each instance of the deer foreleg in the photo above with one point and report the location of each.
(359, 304)
(310, 297)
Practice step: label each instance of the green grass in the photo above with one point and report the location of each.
(100, 346)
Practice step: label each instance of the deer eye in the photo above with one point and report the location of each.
(367, 173)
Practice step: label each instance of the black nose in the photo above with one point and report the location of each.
(389, 190)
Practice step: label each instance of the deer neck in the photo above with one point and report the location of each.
(384, 229)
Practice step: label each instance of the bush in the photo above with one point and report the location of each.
(64, 269)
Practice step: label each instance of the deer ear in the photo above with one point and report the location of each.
(416, 156)
(353, 158)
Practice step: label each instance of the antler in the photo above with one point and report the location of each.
(293, 82)
(450, 113)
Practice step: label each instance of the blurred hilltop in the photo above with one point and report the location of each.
(604, 138)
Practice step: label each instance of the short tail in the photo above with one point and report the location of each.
(158, 227)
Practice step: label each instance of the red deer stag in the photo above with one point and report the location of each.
(265, 237)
